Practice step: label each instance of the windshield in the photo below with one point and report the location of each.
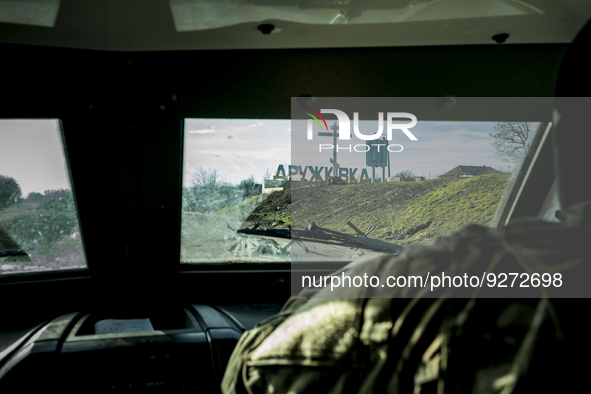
(39, 229)
(192, 15)
(248, 198)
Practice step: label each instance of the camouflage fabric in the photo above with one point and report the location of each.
(404, 340)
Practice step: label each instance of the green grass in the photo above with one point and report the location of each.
(404, 213)
(244, 208)
(40, 226)
(468, 201)
(399, 210)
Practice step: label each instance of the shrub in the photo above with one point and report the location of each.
(10, 191)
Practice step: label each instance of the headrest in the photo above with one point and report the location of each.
(574, 79)
(573, 102)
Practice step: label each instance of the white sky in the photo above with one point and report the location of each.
(31, 152)
(238, 148)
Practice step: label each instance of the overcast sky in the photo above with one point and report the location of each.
(238, 148)
(31, 152)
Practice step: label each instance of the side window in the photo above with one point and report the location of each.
(39, 228)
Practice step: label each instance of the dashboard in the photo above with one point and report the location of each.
(187, 350)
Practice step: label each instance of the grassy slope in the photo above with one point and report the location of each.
(274, 211)
(43, 230)
(403, 212)
(472, 200)
(243, 209)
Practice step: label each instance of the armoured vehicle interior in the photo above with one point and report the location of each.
(120, 91)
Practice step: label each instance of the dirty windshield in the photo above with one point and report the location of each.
(245, 200)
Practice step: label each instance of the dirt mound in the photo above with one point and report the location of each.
(273, 212)
(304, 205)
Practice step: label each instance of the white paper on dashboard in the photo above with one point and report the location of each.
(111, 326)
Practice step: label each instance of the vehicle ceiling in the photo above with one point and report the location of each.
(121, 79)
(156, 25)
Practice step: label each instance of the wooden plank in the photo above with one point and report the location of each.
(356, 229)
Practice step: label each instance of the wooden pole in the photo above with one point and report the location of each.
(388, 163)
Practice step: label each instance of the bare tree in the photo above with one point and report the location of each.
(510, 139)
(267, 174)
(206, 177)
(406, 176)
(507, 169)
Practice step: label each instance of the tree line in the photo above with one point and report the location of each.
(11, 193)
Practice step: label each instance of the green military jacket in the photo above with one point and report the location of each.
(404, 339)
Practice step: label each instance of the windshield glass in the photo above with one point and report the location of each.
(191, 15)
(39, 229)
(245, 199)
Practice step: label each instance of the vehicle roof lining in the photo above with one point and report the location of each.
(148, 25)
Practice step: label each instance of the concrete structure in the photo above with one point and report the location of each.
(469, 171)
(271, 185)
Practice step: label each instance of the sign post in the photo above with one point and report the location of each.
(377, 156)
(334, 135)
